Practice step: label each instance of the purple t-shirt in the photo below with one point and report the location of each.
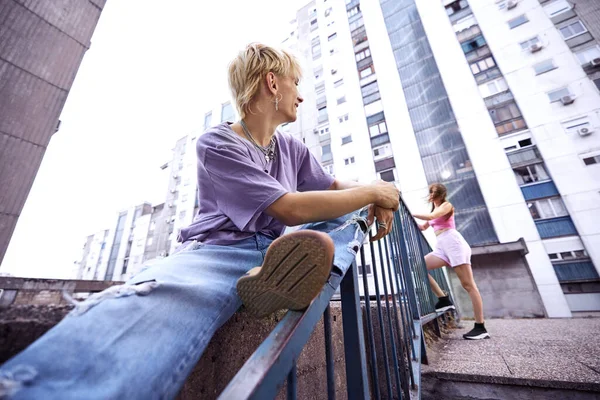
(234, 189)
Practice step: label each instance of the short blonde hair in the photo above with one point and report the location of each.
(250, 67)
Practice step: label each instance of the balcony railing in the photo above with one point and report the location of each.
(556, 227)
(403, 301)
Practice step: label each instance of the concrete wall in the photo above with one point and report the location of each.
(42, 46)
(505, 284)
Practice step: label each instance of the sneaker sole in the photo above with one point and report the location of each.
(444, 309)
(295, 269)
(478, 337)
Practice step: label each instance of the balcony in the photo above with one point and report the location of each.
(524, 156)
(576, 271)
(555, 227)
(539, 190)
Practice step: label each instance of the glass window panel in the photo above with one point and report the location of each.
(559, 207)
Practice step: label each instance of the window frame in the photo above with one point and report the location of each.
(585, 30)
(547, 68)
(519, 20)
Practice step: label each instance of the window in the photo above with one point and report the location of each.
(356, 24)
(152, 226)
(456, 7)
(341, 100)
(207, 120)
(346, 139)
(353, 11)
(378, 129)
(473, 44)
(326, 149)
(482, 65)
(507, 118)
(362, 54)
(338, 83)
(592, 160)
(359, 35)
(322, 114)
(227, 112)
(528, 43)
(367, 268)
(367, 71)
(316, 51)
(182, 214)
(587, 55)
(149, 242)
(544, 66)
(556, 95)
(387, 176)
(331, 37)
(318, 73)
(531, 174)
(320, 88)
(568, 255)
(520, 20)
(547, 208)
(557, 7)
(328, 169)
(369, 89)
(313, 25)
(333, 71)
(597, 83)
(573, 29)
(324, 131)
(343, 118)
(328, 12)
(505, 112)
(349, 160)
(382, 152)
(493, 87)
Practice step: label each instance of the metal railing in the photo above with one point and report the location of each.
(383, 338)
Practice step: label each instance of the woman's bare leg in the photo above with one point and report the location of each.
(465, 274)
(434, 262)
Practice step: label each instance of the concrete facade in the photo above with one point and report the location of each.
(517, 162)
(41, 47)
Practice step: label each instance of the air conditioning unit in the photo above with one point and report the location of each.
(535, 47)
(566, 100)
(510, 4)
(595, 62)
(315, 131)
(585, 131)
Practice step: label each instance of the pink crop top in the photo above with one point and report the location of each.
(443, 223)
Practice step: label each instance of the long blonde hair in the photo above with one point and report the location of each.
(250, 68)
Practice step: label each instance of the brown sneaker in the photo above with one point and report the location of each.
(295, 269)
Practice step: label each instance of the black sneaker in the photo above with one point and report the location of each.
(444, 304)
(478, 332)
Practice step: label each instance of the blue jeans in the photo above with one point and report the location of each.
(142, 339)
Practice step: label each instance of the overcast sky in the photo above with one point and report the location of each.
(154, 68)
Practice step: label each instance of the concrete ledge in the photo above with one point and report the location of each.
(513, 381)
(518, 246)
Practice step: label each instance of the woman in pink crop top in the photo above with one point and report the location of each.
(451, 250)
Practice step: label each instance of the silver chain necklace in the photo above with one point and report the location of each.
(268, 151)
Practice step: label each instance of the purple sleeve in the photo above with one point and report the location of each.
(311, 175)
(242, 190)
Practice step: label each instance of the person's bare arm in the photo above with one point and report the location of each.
(442, 210)
(424, 226)
(304, 207)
